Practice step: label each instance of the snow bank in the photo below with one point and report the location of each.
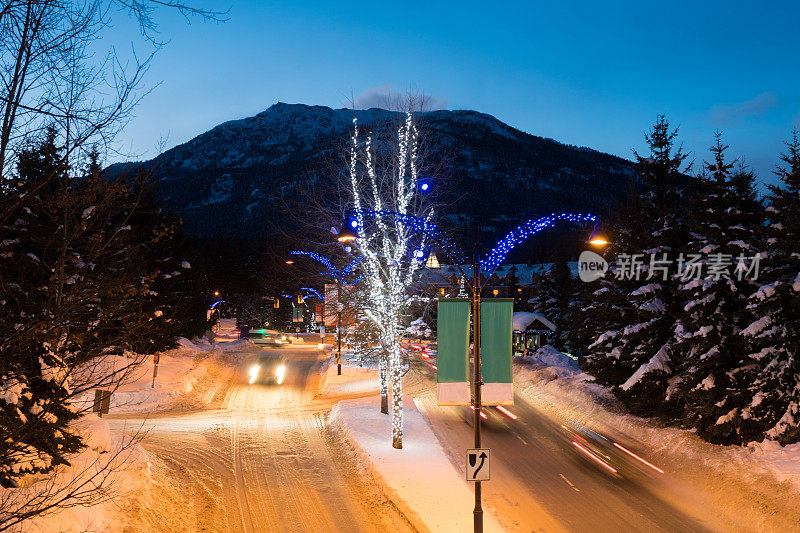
(111, 465)
(184, 377)
(548, 356)
(782, 461)
(420, 475)
(352, 380)
(93, 431)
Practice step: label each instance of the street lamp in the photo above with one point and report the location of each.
(597, 238)
(346, 235)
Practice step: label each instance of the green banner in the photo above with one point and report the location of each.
(496, 331)
(452, 337)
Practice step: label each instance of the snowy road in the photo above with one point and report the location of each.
(261, 458)
(537, 481)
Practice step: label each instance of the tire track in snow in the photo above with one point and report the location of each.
(263, 459)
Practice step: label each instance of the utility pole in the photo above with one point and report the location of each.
(476, 386)
(339, 326)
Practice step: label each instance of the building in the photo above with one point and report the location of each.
(531, 331)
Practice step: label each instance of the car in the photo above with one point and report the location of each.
(493, 417)
(606, 453)
(268, 367)
(269, 337)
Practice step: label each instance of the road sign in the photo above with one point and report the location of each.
(102, 400)
(478, 464)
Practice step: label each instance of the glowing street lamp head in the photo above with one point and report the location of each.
(350, 230)
(597, 238)
(346, 235)
(289, 262)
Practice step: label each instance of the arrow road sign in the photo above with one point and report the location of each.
(478, 464)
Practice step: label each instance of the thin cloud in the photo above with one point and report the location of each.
(386, 97)
(730, 113)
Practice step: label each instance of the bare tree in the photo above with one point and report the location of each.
(390, 217)
(50, 72)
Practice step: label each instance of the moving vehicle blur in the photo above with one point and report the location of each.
(267, 367)
(268, 337)
(606, 452)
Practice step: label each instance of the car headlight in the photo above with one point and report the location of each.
(280, 372)
(254, 373)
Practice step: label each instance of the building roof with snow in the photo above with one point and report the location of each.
(524, 321)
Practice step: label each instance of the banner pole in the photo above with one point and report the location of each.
(476, 387)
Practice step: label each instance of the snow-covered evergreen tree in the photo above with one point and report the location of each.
(638, 296)
(34, 390)
(709, 355)
(773, 335)
(80, 278)
(554, 297)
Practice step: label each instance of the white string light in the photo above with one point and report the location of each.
(384, 246)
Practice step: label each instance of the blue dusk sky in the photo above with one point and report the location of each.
(586, 73)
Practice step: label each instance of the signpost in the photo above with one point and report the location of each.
(156, 358)
(478, 463)
(102, 400)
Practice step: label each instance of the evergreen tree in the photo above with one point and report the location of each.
(34, 407)
(638, 298)
(87, 271)
(773, 335)
(711, 360)
(557, 292)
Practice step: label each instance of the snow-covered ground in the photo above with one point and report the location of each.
(353, 379)
(111, 460)
(186, 377)
(420, 475)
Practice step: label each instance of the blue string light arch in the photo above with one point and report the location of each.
(498, 254)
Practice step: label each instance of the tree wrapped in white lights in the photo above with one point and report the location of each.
(384, 186)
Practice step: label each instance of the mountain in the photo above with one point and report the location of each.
(237, 179)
